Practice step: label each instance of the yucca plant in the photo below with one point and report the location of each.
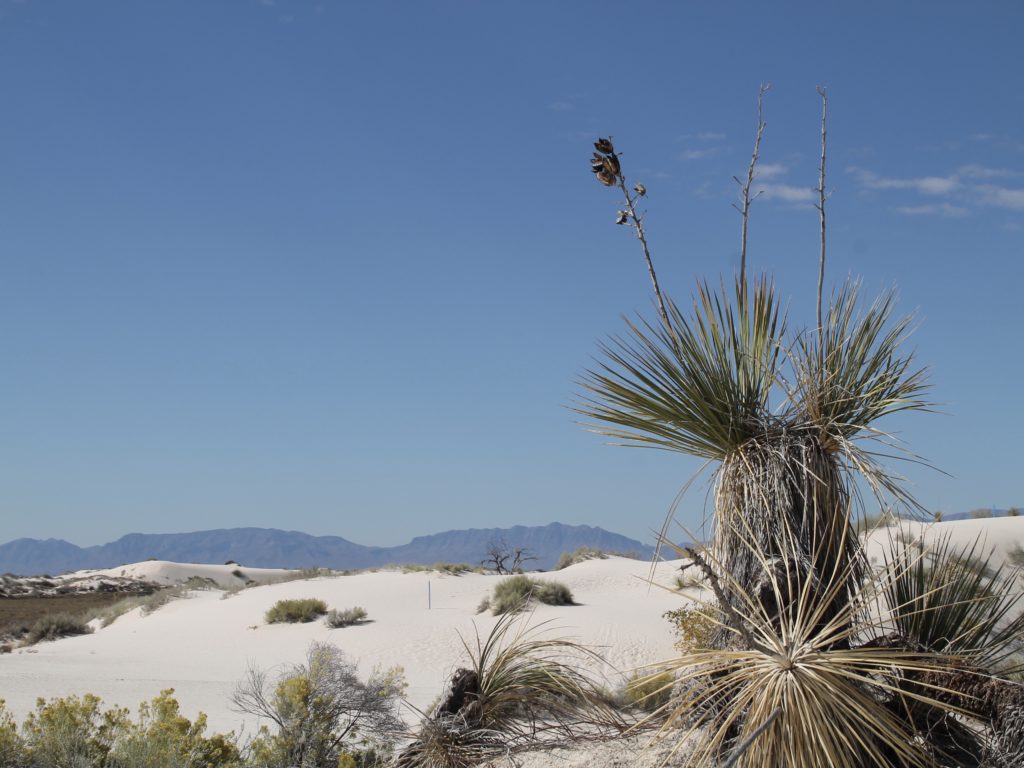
(802, 684)
(521, 688)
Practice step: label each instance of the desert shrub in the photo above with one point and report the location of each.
(321, 710)
(694, 625)
(453, 569)
(72, 732)
(57, 625)
(484, 604)
(579, 555)
(1012, 512)
(1015, 555)
(338, 619)
(153, 601)
(296, 611)
(163, 738)
(980, 514)
(519, 689)
(868, 523)
(649, 692)
(238, 573)
(516, 592)
(12, 748)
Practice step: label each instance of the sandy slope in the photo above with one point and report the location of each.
(164, 572)
(201, 646)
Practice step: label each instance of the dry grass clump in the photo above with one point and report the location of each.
(56, 626)
(338, 619)
(521, 689)
(515, 593)
(296, 611)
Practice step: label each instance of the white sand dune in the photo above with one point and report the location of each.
(998, 536)
(166, 572)
(201, 646)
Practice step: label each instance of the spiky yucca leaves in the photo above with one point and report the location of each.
(530, 682)
(953, 599)
(700, 386)
(523, 689)
(838, 703)
(703, 386)
(852, 373)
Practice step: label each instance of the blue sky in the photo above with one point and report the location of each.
(337, 267)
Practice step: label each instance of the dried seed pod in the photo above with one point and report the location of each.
(605, 178)
(640, 189)
(604, 146)
(622, 218)
(611, 164)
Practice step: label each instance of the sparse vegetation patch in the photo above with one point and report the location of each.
(296, 611)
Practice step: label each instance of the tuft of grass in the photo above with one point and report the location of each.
(296, 611)
(650, 692)
(337, 619)
(579, 555)
(452, 569)
(526, 690)
(514, 593)
(56, 626)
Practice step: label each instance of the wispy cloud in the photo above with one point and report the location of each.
(967, 186)
(787, 193)
(928, 185)
(561, 106)
(771, 170)
(699, 154)
(945, 210)
(975, 171)
(1001, 197)
(703, 136)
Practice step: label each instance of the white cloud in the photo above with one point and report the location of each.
(699, 154)
(1001, 197)
(928, 185)
(936, 209)
(703, 136)
(771, 170)
(975, 171)
(786, 193)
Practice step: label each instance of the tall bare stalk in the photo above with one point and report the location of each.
(821, 196)
(746, 186)
(607, 167)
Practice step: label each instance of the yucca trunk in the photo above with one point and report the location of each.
(782, 505)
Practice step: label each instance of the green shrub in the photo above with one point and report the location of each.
(579, 555)
(72, 732)
(694, 625)
(346, 618)
(649, 692)
(12, 748)
(516, 592)
(320, 709)
(296, 611)
(163, 738)
(54, 626)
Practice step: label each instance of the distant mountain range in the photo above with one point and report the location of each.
(272, 548)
